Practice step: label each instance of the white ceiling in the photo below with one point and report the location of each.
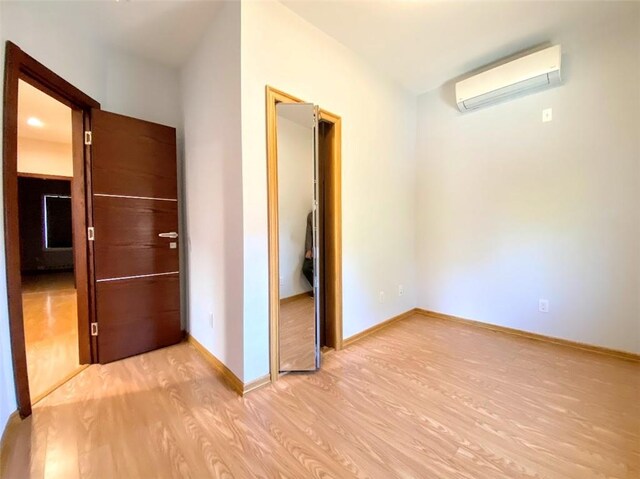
(419, 43)
(55, 116)
(162, 31)
(424, 44)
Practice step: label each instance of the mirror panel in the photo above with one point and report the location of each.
(298, 254)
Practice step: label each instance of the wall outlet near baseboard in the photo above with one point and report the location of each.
(211, 319)
(400, 290)
(381, 297)
(543, 305)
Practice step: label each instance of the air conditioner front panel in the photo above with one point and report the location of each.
(507, 91)
(526, 74)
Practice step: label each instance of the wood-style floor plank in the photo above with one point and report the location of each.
(423, 398)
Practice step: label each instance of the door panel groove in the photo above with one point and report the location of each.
(127, 237)
(135, 197)
(137, 276)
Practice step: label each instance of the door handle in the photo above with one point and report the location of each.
(171, 234)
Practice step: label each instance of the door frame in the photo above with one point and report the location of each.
(333, 225)
(21, 66)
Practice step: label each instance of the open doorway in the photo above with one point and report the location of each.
(104, 228)
(119, 269)
(49, 297)
(46, 211)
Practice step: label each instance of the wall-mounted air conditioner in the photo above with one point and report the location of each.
(524, 75)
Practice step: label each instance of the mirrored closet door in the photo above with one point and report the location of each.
(299, 233)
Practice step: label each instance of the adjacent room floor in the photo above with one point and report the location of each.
(51, 329)
(423, 398)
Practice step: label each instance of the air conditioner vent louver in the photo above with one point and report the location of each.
(527, 74)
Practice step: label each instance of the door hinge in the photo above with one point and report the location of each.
(91, 234)
(87, 137)
(94, 329)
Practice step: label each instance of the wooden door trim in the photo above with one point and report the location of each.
(91, 271)
(273, 97)
(39, 176)
(20, 66)
(333, 227)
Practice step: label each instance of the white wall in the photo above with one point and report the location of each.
(512, 209)
(109, 76)
(295, 201)
(378, 169)
(122, 83)
(44, 157)
(143, 89)
(213, 164)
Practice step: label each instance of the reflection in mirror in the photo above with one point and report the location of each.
(296, 162)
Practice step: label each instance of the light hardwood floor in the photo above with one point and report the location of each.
(423, 398)
(297, 334)
(51, 330)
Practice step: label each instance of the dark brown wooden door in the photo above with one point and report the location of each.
(135, 250)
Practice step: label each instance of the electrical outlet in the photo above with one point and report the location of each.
(211, 319)
(547, 115)
(381, 298)
(543, 305)
(281, 282)
(400, 290)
